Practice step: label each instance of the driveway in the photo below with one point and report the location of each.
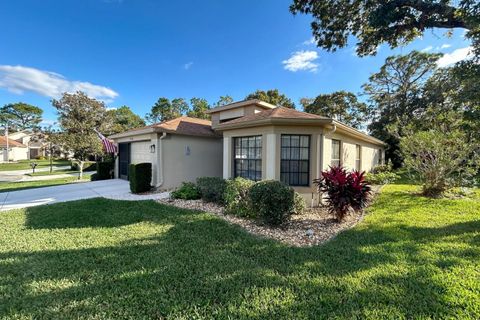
(111, 189)
(20, 175)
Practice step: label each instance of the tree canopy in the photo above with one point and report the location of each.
(198, 108)
(164, 110)
(395, 22)
(78, 116)
(273, 97)
(395, 94)
(341, 105)
(20, 116)
(124, 119)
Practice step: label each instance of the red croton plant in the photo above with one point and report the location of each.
(345, 191)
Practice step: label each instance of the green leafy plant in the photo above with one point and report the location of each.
(140, 175)
(211, 188)
(187, 191)
(299, 204)
(236, 197)
(273, 200)
(345, 191)
(104, 170)
(381, 178)
(441, 160)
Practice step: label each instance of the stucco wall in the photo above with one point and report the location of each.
(320, 152)
(140, 152)
(185, 158)
(15, 154)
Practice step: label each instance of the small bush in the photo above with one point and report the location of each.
(187, 191)
(381, 177)
(94, 177)
(299, 204)
(104, 170)
(382, 168)
(140, 175)
(211, 188)
(345, 191)
(40, 158)
(273, 200)
(87, 166)
(236, 197)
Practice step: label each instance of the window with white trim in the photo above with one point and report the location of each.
(336, 153)
(247, 157)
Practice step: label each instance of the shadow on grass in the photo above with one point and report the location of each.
(204, 267)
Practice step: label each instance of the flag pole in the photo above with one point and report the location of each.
(6, 135)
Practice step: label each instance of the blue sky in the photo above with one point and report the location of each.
(131, 52)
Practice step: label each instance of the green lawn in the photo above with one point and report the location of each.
(15, 186)
(25, 164)
(411, 257)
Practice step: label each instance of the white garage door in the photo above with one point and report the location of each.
(140, 152)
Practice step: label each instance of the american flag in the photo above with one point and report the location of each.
(108, 145)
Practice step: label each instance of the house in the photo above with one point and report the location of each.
(251, 139)
(16, 150)
(35, 148)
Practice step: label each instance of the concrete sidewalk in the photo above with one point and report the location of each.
(111, 189)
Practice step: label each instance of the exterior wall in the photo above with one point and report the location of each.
(320, 152)
(185, 158)
(235, 113)
(140, 152)
(15, 154)
(369, 153)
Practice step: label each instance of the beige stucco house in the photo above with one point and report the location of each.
(251, 139)
(16, 150)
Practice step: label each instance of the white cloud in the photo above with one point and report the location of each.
(20, 79)
(301, 60)
(455, 56)
(445, 46)
(309, 41)
(427, 49)
(188, 65)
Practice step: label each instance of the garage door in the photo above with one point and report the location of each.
(140, 152)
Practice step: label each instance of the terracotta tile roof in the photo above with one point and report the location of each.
(182, 125)
(277, 113)
(11, 143)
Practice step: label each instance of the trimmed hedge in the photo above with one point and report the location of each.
(236, 198)
(187, 191)
(212, 188)
(104, 170)
(273, 200)
(140, 175)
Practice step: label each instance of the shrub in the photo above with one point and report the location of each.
(187, 191)
(299, 204)
(381, 168)
(441, 159)
(40, 158)
(87, 166)
(140, 175)
(104, 170)
(211, 188)
(381, 177)
(345, 191)
(236, 197)
(94, 177)
(273, 200)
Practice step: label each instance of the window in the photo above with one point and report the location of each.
(248, 157)
(295, 160)
(380, 156)
(358, 158)
(336, 153)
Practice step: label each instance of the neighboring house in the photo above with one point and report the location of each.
(35, 148)
(251, 139)
(17, 151)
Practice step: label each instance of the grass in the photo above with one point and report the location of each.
(54, 172)
(411, 257)
(25, 164)
(16, 186)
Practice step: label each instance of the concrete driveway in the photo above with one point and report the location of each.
(111, 189)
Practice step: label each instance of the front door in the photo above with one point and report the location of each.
(123, 160)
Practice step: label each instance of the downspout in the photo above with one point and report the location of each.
(334, 128)
(160, 160)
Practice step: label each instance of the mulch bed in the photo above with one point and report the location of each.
(315, 226)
